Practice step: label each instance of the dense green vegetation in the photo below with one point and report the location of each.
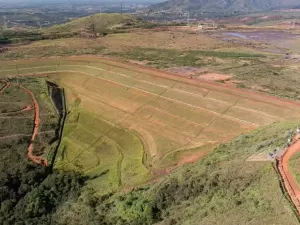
(11, 36)
(29, 195)
(221, 189)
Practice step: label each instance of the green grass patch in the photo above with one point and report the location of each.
(164, 58)
(170, 158)
(92, 146)
(83, 136)
(294, 167)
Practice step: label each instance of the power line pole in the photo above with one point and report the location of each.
(93, 25)
(294, 23)
(40, 26)
(121, 6)
(5, 23)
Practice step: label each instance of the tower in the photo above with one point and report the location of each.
(121, 6)
(5, 23)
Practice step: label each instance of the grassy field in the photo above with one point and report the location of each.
(126, 124)
(98, 148)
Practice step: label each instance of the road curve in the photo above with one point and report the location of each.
(4, 87)
(289, 182)
(36, 159)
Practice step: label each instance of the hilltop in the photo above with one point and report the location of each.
(98, 23)
(88, 26)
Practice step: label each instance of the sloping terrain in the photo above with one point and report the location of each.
(29, 124)
(221, 188)
(99, 23)
(127, 124)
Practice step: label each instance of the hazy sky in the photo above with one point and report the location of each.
(31, 1)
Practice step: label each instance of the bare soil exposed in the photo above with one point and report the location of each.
(289, 181)
(215, 77)
(37, 159)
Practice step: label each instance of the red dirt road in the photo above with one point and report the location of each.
(25, 109)
(36, 159)
(288, 180)
(5, 86)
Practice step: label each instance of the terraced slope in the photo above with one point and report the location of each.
(128, 123)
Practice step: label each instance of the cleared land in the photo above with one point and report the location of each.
(126, 122)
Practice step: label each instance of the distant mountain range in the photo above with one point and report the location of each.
(224, 6)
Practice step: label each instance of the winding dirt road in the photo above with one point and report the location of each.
(36, 159)
(288, 180)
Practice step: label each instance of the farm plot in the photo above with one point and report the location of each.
(125, 121)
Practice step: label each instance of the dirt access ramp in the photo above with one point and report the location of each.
(289, 182)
